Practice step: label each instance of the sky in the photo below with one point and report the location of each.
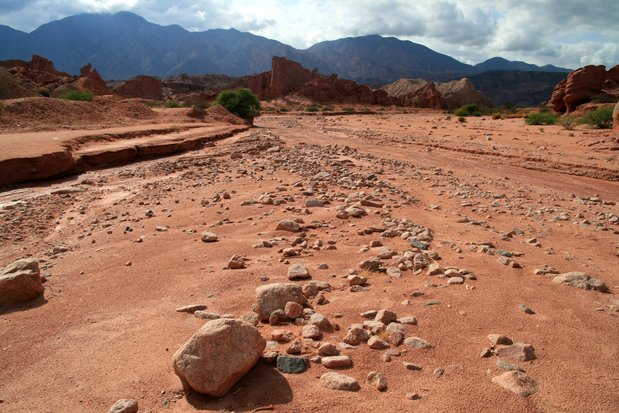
(566, 33)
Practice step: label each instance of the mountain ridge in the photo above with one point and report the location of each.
(124, 44)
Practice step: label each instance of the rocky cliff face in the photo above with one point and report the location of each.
(425, 94)
(461, 92)
(145, 87)
(583, 85)
(287, 77)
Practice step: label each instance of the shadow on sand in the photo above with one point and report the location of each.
(262, 386)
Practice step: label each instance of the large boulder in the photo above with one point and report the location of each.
(582, 84)
(273, 297)
(20, 282)
(558, 94)
(218, 355)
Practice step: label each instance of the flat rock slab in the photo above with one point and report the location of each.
(298, 272)
(218, 355)
(335, 381)
(291, 365)
(517, 382)
(518, 351)
(580, 280)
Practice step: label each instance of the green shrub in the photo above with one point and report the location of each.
(284, 109)
(242, 102)
(568, 122)
(313, 108)
(81, 95)
(172, 104)
(347, 109)
(472, 109)
(600, 118)
(541, 118)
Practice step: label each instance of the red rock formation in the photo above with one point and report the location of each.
(287, 77)
(616, 117)
(584, 84)
(145, 87)
(461, 92)
(558, 94)
(42, 64)
(91, 80)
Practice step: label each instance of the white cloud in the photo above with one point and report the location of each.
(530, 30)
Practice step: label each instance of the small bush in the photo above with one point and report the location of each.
(541, 118)
(81, 95)
(472, 109)
(172, 104)
(600, 118)
(313, 108)
(461, 119)
(496, 116)
(242, 102)
(284, 109)
(568, 122)
(347, 109)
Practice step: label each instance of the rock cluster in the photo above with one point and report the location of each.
(584, 84)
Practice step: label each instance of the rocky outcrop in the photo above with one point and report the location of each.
(425, 94)
(583, 85)
(616, 118)
(290, 78)
(461, 92)
(144, 87)
(91, 80)
(42, 64)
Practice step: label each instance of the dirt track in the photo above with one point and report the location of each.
(107, 328)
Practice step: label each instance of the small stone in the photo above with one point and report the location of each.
(417, 343)
(455, 280)
(298, 272)
(394, 272)
(517, 382)
(191, 308)
(282, 336)
(311, 331)
(439, 371)
(499, 339)
(293, 310)
(518, 351)
(503, 365)
(124, 406)
(277, 317)
(288, 225)
(328, 349)
(321, 322)
(485, 352)
(413, 396)
(236, 262)
(526, 309)
(412, 366)
(295, 347)
(291, 365)
(376, 343)
(369, 314)
(356, 280)
(323, 266)
(377, 380)
(209, 237)
(336, 361)
(385, 316)
(335, 381)
(407, 320)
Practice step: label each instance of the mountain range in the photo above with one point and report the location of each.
(123, 45)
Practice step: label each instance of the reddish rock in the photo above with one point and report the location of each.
(287, 78)
(145, 87)
(91, 80)
(42, 64)
(461, 92)
(558, 94)
(582, 84)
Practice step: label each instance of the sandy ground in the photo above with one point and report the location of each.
(107, 327)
